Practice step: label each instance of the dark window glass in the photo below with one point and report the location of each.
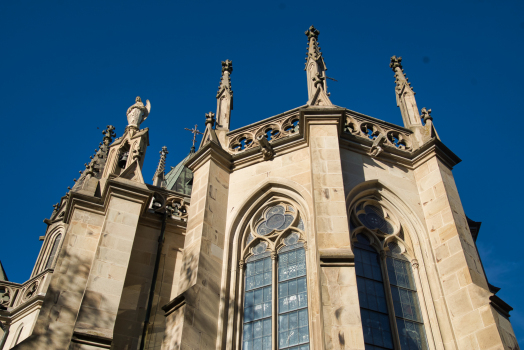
(54, 250)
(405, 301)
(373, 304)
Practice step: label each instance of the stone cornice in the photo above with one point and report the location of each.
(122, 189)
(435, 147)
(23, 309)
(210, 151)
(321, 116)
(174, 304)
(500, 305)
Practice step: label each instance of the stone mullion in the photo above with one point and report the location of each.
(422, 304)
(240, 303)
(274, 292)
(389, 301)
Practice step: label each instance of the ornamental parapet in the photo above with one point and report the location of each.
(14, 294)
(275, 128)
(377, 133)
(175, 204)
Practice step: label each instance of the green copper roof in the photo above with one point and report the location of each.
(180, 178)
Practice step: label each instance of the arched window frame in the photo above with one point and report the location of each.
(380, 240)
(53, 251)
(275, 244)
(18, 333)
(41, 264)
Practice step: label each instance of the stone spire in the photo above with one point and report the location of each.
(225, 97)
(405, 95)
(316, 71)
(159, 178)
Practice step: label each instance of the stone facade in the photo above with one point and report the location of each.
(129, 265)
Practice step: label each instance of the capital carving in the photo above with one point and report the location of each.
(274, 255)
(414, 263)
(241, 264)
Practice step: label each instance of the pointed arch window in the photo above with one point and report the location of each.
(54, 250)
(275, 288)
(390, 309)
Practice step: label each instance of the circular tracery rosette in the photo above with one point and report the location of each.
(373, 216)
(275, 224)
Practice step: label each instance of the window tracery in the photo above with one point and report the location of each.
(390, 308)
(275, 287)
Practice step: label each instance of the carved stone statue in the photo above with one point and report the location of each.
(137, 113)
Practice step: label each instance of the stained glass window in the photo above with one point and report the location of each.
(281, 307)
(405, 301)
(276, 219)
(373, 304)
(293, 328)
(374, 301)
(373, 218)
(257, 305)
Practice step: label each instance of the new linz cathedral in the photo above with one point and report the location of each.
(316, 229)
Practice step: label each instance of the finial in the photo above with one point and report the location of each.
(395, 62)
(227, 65)
(312, 32)
(138, 113)
(225, 81)
(426, 115)
(195, 132)
(210, 119)
(108, 133)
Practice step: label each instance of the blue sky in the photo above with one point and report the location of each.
(69, 68)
